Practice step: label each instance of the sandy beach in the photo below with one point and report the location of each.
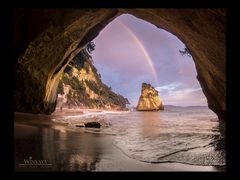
(75, 150)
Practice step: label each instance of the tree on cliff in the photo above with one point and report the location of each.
(185, 51)
(90, 47)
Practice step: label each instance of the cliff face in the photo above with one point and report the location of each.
(81, 86)
(149, 99)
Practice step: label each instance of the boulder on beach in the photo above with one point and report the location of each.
(89, 124)
(92, 124)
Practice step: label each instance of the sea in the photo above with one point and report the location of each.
(177, 135)
(191, 135)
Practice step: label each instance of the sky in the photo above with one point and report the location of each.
(130, 51)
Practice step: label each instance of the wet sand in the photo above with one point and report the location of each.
(39, 138)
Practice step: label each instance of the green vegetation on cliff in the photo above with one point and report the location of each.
(81, 86)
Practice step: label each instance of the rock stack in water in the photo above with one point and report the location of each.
(149, 99)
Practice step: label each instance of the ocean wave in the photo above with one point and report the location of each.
(88, 115)
(195, 150)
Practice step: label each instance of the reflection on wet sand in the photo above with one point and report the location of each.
(65, 151)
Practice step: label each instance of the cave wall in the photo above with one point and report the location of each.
(47, 39)
(53, 38)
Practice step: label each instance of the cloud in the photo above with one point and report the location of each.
(176, 94)
(184, 97)
(171, 86)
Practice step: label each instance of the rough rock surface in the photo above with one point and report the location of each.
(47, 39)
(149, 99)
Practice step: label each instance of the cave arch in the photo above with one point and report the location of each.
(47, 39)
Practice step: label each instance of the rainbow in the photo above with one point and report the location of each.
(143, 49)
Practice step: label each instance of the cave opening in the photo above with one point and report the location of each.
(128, 52)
